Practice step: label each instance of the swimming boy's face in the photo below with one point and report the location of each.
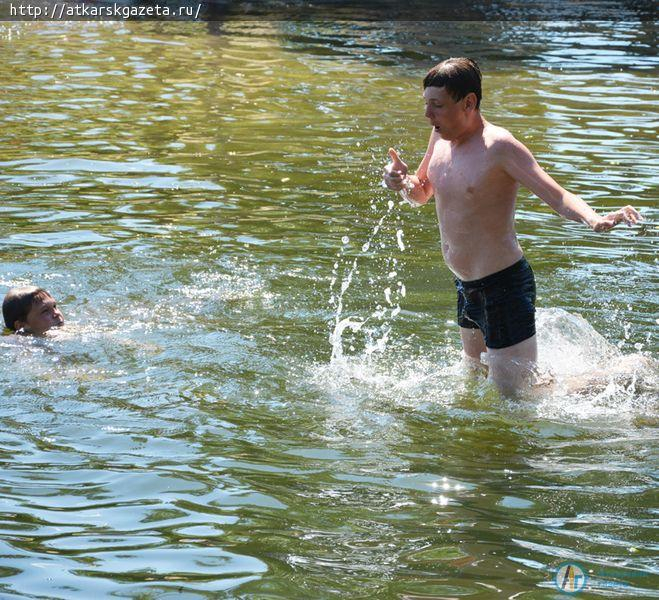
(43, 315)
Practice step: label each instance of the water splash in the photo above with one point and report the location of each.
(588, 376)
(583, 375)
(353, 323)
(399, 239)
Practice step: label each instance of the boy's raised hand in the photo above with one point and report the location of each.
(395, 172)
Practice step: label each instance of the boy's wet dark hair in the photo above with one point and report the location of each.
(19, 301)
(460, 76)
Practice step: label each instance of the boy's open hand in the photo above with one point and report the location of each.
(395, 172)
(627, 214)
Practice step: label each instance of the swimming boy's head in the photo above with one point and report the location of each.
(31, 309)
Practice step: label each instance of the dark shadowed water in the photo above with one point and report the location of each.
(258, 390)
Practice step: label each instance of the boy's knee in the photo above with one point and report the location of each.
(472, 360)
(511, 376)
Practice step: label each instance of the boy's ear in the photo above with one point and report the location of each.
(470, 100)
(18, 324)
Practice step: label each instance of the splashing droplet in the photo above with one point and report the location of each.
(399, 239)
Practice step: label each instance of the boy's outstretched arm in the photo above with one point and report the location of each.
(521, 165)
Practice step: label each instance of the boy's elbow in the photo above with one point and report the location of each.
(428, 191)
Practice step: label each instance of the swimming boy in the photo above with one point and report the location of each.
(474, 170)
(30, 310)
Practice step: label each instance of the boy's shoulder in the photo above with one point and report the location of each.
(497, 135)
(500, 142)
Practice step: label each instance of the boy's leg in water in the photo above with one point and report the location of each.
(512, 368)
(473, 345)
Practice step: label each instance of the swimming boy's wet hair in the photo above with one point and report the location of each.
(19, 301)
(460, 76)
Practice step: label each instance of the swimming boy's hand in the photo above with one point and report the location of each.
(395, 172)
(627, 214)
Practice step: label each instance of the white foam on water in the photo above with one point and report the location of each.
(363, 390)
(384, 370)
(569, 345)
(582, 376)
(587, 376)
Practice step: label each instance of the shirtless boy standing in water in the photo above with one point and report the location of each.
(474, 169)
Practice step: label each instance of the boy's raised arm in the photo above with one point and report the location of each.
(417, 186)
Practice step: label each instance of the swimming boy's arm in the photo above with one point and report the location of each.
(521, 165)
(417, 186)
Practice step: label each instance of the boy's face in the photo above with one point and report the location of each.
(43, 315)
(446, 115)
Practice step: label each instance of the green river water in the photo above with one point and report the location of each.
(258, 392)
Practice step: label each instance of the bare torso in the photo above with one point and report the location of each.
(475, 200)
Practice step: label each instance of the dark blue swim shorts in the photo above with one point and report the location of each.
(501, 305)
